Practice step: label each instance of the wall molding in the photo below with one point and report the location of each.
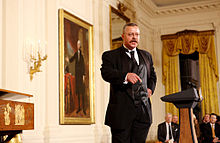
(189, 8)
(33, 136)
(153, 10)
(174, 27)
(71, 133)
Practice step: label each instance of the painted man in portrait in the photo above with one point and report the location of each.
(79, 77)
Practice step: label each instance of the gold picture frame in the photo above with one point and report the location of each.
(76, 70)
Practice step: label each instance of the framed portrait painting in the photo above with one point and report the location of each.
(76, 79)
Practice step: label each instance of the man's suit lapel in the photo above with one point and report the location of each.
(165, 130)
(125, 59)
(146, 61)
(141, 62)
(125, 66)
(216, 128)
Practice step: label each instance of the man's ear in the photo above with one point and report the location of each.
(122, 36)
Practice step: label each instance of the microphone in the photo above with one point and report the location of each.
(199, 92)
(191, 84)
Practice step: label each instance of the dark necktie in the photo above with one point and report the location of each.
(170, 135)
(134, 65)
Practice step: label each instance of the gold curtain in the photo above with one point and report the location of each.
(187, 42)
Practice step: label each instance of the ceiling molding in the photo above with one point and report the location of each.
(190, 7)
(148, 6)
(153, 10)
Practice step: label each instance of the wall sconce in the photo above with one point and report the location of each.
(34, 55)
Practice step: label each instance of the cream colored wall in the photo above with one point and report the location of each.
(21, 21)
(38, 20)
(1, 8)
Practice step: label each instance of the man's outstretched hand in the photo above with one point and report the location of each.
(133, 78)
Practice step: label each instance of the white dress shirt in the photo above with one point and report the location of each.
(167, 126)
(212, 125)
(135, 56)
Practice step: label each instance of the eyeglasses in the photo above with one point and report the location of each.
(213, 117)
(133, 34)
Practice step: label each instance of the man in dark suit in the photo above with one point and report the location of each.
(205, 121)
(132, 79)
(212, 130)
(175, 119)
(168, 131)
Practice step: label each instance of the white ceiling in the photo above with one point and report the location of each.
(161, 3)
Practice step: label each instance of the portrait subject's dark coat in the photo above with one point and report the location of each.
(79, 71)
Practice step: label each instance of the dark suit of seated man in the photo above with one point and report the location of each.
(205, 120)
(168, 132)
(212, 135)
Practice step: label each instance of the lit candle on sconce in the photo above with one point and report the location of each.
(34, 54)
(41, 47)
(32, 49)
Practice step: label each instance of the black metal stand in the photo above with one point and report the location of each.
(10, 134)
(185, 101)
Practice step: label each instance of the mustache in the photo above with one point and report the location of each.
(133, 41)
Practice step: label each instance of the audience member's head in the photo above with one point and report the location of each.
(175, 119)
(206, 118)
(218, 120)
(168, 118)
(213, 118)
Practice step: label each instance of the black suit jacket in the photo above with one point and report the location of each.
(208, 132)
(201, 127)
(162, 131)
(115, 66)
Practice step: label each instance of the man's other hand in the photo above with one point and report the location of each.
(149, 91)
